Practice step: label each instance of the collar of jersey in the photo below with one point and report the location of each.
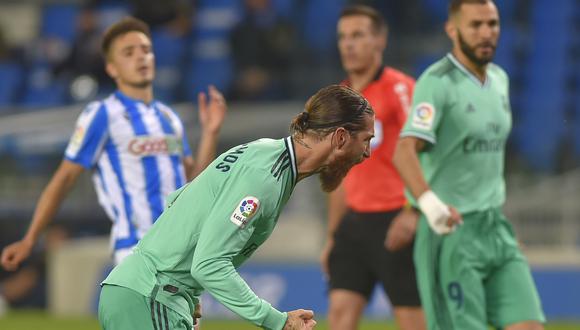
(290, 147)
(471, 76)
(377, 77)
(127, 99)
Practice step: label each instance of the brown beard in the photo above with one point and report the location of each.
(470, 53)
(331, 178)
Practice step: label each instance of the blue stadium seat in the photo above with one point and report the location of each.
(109, 12)
(41, 89)
(203, 72)
(209, 60)
(437, 9)
(507, 9)
(319, 28)
(169, 48)
(283, 7)
(542, 124)
(59, 21)
(505, 52)
(170, 55)
(575, 125)
(11, 83)
(167, 82)
(548, 12)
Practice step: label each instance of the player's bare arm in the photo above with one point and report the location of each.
(441, 217)
(212, 111)
(61, 183)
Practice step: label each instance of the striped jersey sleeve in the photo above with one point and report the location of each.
(90, 134)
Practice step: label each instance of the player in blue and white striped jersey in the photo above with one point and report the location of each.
(135, 146)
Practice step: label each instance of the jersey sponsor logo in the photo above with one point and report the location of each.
(473, 145)
(245, 211)
(423, 116)
(470, 108)
(152, 146)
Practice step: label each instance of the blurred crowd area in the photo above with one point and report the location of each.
(276, 50)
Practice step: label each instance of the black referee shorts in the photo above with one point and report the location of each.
(359, 259)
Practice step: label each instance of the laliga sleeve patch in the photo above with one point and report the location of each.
(76, 140)
(245, 211)
(423, 116)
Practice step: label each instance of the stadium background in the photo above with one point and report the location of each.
(48, 72)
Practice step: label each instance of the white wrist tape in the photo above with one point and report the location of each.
(436, 212)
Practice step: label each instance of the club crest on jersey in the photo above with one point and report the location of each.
(245, 211)
(424, 116)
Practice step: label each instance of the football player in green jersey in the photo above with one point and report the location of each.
(213, 224)
(470, 270)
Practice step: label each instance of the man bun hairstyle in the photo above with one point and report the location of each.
(330, 108)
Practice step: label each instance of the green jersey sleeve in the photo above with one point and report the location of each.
(426, 112)
(241, 208)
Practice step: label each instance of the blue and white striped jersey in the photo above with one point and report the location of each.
(136, 152)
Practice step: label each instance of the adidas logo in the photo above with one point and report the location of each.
(470, 108)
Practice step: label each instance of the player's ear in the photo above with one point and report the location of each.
(451, 28)
(111, 70)
(340, 137)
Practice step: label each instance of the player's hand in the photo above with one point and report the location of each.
(300, 319)
(196, 316)
(324, 255)
(441, 218)
(212, 112)
(455, 219)
(402, 230)
(15, 253)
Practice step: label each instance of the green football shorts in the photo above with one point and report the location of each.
(475, 276)
(121, 308)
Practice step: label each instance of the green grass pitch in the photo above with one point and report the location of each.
(37, 320)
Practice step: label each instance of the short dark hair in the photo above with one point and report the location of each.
(125, 25)
(455, 5)
(378, 22)
(332, 107)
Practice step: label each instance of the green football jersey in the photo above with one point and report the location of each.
(210, 227)
(466, 124)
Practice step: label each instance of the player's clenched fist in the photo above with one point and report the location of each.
(14, 254)
(300, 319)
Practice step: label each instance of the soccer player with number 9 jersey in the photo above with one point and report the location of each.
(470, 270)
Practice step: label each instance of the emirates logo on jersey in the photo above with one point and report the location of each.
(154, 146)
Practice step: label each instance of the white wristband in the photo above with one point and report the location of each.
(436, 212)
